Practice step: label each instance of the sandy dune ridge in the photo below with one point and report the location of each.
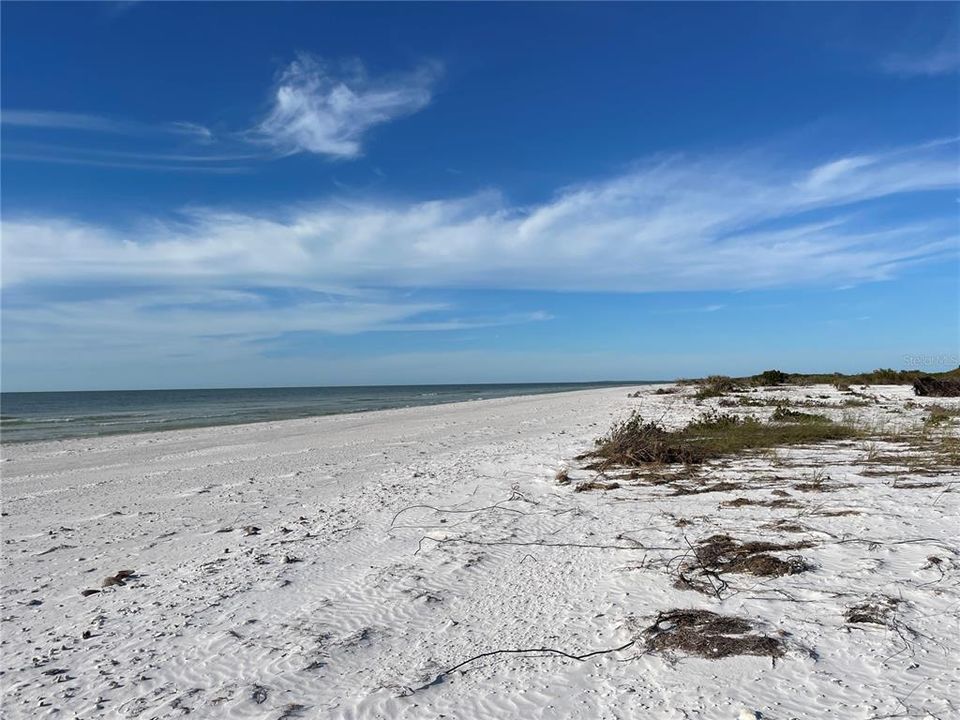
(337, 567)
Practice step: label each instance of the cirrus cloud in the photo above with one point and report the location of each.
(675, 224)
(943, 59)
(326, 110)
(212, 283)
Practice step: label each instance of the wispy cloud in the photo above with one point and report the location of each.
(697, 309)
(124, 165)
(944, 59)
(720, 223)
(676, 224)
(56, 120)
(213, 326)
(172, 134)
(117, 8)
(156, 161)
(191, 313)
(50, 119)
(829, 172)
(327, 110)
(318, 108)
(198, 132)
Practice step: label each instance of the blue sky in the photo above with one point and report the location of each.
(241, 194)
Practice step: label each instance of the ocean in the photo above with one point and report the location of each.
(32, 416)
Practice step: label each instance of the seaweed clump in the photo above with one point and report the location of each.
(708, 635)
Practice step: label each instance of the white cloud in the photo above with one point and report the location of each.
(139, 341)
(194, 130)
(172, 161)
(829, 172)
(322, 110)
(97, 155)
(317, 108)
(56, 120)
(708, 225)
(198, 165)
(944, 59)
(65, 121)
(176, 318)
(676, 225)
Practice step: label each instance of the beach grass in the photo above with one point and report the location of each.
(636, 441)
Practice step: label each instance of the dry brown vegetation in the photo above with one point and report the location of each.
(708, 635)
(717, 555)
(785, 414)
(928, 452)
(596, 485)
(939, 414)
(855, 402)
(699, 458)
(722, 553)
(779, 503)
(881, 376)
(937, 386)
(873, 612)
(716, 386)
(636, 442)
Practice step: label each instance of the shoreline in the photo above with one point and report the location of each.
(339, 566)
(189, 422)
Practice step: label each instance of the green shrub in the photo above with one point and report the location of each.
(771, 377)
(636, 441)
(785, 414)
(716, 386)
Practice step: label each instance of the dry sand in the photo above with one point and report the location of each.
(274, 577)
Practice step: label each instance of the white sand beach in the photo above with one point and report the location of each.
(338, 567)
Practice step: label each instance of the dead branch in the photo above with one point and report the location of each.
(878, 543)
(537, 543)
(495, 506)
(711, 575)
(515, 496)
(526, 651)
